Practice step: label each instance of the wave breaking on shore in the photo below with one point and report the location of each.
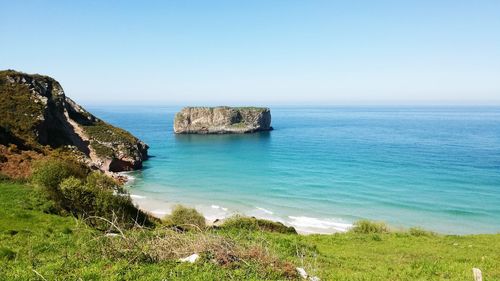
(212, 212)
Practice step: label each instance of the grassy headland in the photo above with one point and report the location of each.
(61, 219)
(36, 241)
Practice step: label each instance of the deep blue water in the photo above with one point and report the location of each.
(325, 167)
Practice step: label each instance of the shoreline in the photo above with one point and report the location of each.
(304, 225)
(214, 213)
(217, 213)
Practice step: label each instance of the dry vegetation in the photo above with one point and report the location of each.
(163, 244)
(16, 163)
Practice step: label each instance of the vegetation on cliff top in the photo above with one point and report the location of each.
(103, 136)
(256, 108)
(106, 133)
(253, 108)
(19, 113)
(33, 118)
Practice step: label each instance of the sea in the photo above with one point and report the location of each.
(323, 168)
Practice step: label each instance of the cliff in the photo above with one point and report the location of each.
(222, 120)
(35, 114)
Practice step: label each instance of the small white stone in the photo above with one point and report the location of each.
(478, 275)
(192, 258)
(314, 278)
(302, 272)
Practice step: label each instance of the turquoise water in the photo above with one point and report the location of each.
(323, 168)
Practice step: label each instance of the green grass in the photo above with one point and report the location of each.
(103, 135)
(104, 132)
(102, 150)
(64, 248)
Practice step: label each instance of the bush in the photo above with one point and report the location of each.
(76, 198)
(186, 218)
(37, 200)
(366, 226)
(50, 173)
(240, 222)
(99, 181)
(96, 201)
(416, 231)
(92, 196)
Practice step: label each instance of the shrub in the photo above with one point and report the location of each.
(76, 198)
(93, 196)
(50, 173)
(240, 222)
(186, 218)
(366, 226)
(376, 237)
(37, 200)
(96, 201)
(99, 181)
(416, 231)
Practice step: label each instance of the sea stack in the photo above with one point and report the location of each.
(222, 120)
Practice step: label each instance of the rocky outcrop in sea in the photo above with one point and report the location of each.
(222, 120)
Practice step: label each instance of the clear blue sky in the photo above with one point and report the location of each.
(259, 52)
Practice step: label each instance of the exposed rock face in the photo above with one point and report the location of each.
(222, 120)
(35, 112)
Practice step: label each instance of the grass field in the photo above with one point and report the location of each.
(37, 245)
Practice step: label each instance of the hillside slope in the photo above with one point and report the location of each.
(64, 248)
(35, 114)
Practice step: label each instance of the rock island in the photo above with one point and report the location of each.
(222, 120)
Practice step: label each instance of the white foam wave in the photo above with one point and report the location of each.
(265, 210)
(127, 175)
(315, 225)
(135, 196)
(219, 208)
(159, 213)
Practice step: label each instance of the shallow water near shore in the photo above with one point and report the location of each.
(323, 168)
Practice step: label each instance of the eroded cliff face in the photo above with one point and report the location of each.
(222, 120)
(35, 112)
